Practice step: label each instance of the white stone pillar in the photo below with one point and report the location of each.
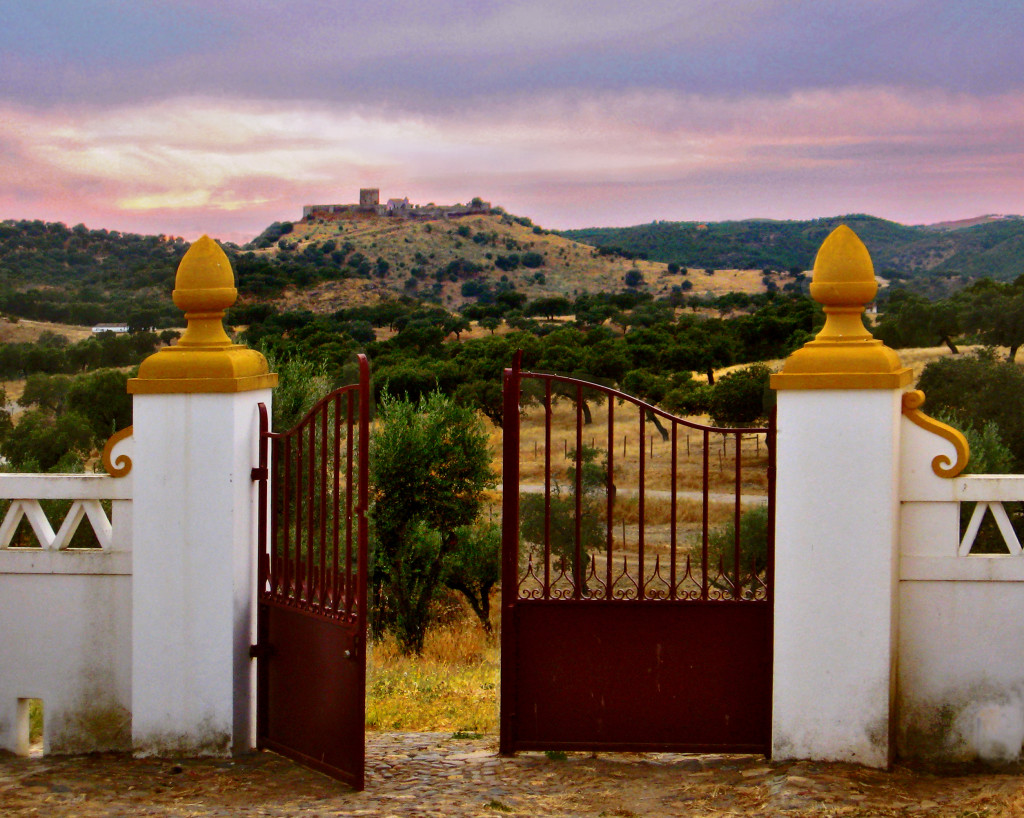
(837, 526)
(193, 586)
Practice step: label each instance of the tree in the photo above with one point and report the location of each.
(741, 397)
(40, 440)
(474, 568)
(753, 548)
(913, 321)
(47, 392)
(996, 312)
(6, 424)
(533, 260)
(456, 324)
(429, 467)
(549, 306)
(562, 521)
(301, 383)
(102, 399)
(979, 389)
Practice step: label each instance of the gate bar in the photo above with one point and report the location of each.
(510, 546)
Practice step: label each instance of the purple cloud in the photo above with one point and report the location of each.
(185, 117)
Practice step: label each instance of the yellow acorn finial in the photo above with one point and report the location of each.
(204, 287)
(843, 273)
(844, 355)
(204, 359)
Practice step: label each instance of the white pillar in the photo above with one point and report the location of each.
(193, 587)
(837, 525)
(836, 529)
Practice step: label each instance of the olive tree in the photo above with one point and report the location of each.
(429, 467)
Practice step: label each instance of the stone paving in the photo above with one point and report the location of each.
(435, 774)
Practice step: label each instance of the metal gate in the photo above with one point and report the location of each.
(636, 590)
(312, 540)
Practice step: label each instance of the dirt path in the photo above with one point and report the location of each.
(433, 774)
(661, 494)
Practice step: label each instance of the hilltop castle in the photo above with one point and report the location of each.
(369, 205)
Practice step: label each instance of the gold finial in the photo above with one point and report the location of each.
(204, 360)
(844, 355)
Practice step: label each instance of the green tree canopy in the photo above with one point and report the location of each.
(742, 397)
(979, 389)
(429, 466)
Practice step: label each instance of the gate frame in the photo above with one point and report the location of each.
(509, 718)
(355, 627)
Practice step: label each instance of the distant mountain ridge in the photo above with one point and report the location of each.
(986, 246)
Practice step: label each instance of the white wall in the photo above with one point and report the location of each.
(961, 620)
(65, 625)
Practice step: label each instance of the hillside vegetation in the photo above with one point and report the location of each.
(50, 272)
(342, 262)
(988, 247)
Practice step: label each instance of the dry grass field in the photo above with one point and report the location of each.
(25, 331)
(453, 686)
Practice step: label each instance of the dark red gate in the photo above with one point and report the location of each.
(636, 589)
(311, 647)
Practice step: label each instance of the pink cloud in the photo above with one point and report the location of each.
(229, 167)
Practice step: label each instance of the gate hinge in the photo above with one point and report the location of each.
(260, 651)
(258, 473)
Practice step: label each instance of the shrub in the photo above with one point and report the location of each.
(753, 547)
(634, 278)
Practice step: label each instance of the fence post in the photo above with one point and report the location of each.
(193, 586)
(837, 520)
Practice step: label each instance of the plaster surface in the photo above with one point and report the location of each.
(194, 575)
(835, 574)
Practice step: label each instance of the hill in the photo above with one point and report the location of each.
(337, 262)
(74, 275)
(983, 247)
(50, 272)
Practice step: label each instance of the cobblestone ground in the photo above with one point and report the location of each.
(434, 774)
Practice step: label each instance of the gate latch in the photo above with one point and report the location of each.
(258, 473)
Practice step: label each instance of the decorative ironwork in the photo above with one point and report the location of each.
(564, 563)
(312, 571)
(613, 627)
(318, 498)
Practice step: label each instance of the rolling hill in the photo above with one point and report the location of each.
(51, 272)
(983, 247)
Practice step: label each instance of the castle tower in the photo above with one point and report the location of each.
(369, 198)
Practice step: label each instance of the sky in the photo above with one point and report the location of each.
(184, 117)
